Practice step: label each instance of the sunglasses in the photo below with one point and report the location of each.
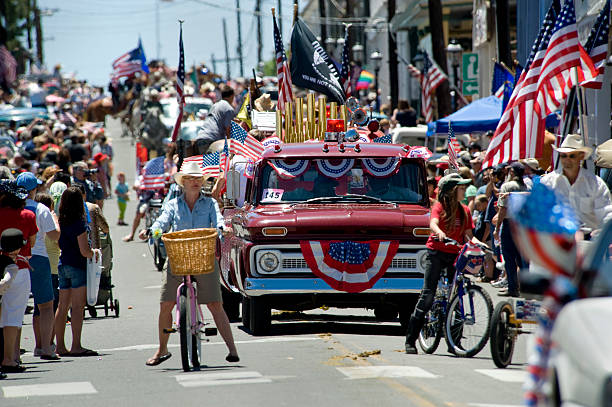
(568, 155)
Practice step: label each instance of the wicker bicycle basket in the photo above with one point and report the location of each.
(191, 251)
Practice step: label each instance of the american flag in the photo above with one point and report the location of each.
(431, 78)
(8, 66)
(520, 132)
(285, 94)
(414, 72)
(345, 72)
(130, 63)
(453, 148)
(597, 48)
(244, 144)
(224, 159)
(153, 176)
(208, 162)
(180, 80)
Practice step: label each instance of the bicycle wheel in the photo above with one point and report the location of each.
(468, 322)
(185, 329)
(431, 333)
(502, 339)
(196, 344)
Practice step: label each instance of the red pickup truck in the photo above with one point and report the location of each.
(313, 224)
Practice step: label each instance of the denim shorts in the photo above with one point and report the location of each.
(40, 278)
(71, 277)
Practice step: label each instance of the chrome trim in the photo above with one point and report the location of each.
(294, 263)
(261, 286)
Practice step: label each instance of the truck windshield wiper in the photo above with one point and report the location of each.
(364, 198)
(321, 199)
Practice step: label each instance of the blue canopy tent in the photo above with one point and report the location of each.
(479, 116)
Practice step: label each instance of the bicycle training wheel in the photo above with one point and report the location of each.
(502, 339)
(468, 321)
(185, 329)
(431, 333)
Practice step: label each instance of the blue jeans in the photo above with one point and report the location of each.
(512, 258)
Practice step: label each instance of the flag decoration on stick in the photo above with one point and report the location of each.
(520, 132)
(180, 82)
(431, 77)
(8, 68)
(345, 72)
(285, 93)
(208, 162)
(502, 78)
(153, 176)
(224, 163)
(129, 63)
(365, 80)
(453, 148)
(244, 144)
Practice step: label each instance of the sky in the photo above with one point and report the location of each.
(85, 36)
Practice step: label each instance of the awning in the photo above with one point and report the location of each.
(414, 15)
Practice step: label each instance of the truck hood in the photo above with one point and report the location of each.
(330, 220)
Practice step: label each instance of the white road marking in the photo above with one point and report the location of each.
(49, 389)
(262, 340)
(150, 287)
(372, 372)
(494, 405)
(218, 379)
(505, 375)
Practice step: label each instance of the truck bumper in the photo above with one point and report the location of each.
(264, 286)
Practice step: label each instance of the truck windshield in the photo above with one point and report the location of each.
(342, 181)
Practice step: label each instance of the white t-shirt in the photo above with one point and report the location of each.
(45, 223)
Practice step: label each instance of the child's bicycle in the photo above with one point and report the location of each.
(190, 252)
(462, 311)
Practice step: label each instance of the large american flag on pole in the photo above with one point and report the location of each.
(345, 72)
(431, 78)
(244, 144)
(520, 132)
(153, 176)
(285, 94)
(180, 81)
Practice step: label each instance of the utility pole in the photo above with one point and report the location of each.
(39, 34)
(280, 16)
(323, 14)
(239, 38)
(29, 31)
(439, 54)
(259, 41)
(503, 33)
(158, 45)
(227, 66)
(393, 80)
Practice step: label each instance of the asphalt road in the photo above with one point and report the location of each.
(318, 358)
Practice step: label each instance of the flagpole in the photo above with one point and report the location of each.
(580, 106)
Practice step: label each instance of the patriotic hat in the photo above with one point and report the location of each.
(448, 182)
(574, 142)
(189, 168)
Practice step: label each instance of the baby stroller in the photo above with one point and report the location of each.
(105, 292)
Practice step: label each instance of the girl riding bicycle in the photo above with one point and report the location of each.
(449, 218)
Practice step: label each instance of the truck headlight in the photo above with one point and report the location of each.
(268, 262)
(422, 256)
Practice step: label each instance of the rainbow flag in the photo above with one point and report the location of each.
(365, 79)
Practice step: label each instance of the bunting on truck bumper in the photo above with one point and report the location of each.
(349, 266)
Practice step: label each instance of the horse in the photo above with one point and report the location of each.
(153, 130)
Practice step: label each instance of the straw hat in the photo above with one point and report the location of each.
(573, 142)
(264, 103)
(189, 168)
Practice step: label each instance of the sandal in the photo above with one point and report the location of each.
(84, 353)
(232, 358)
(157, 361)
(128, 238)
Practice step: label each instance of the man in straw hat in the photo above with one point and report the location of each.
(587, 193)
(190, 210)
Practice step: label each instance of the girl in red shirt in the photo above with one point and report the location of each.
(449, 218)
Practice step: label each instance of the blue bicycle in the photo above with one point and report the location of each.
(461, 311)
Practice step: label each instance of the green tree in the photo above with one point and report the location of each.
(13, 22)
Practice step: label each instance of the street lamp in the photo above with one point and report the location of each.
(376, 58)
(357, 53)
(454, 51)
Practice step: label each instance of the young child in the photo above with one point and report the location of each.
(11, 242)
(121, 190)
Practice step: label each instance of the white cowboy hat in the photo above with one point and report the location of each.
(189, 168)
(574, 142)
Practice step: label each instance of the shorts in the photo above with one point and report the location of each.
(71, 277)
(209, 286)
(15, 300)
(40, 278)
(142, 207)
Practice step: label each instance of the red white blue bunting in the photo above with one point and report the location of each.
(349, 266)
(270, 142)
(335, 168)
(288, 169)
(419, 152)
(381, 167)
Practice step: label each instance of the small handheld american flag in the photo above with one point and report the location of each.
(244, 144)
(453, 148)
(153, 176)
(285, 93)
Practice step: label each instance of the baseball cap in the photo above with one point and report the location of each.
(28, 181)
(449, 181)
